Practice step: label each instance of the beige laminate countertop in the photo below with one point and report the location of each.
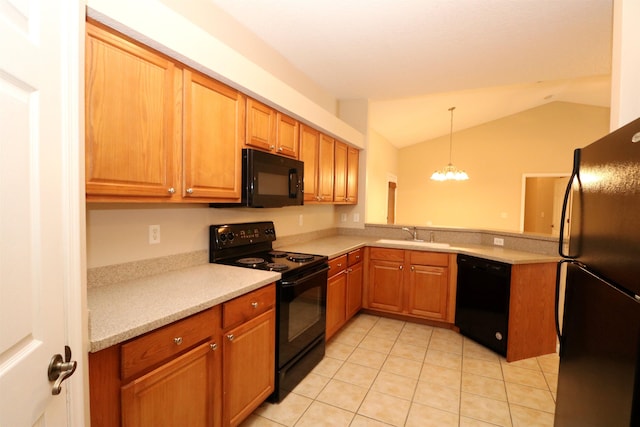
(125, 310)
(338, 245)
(128, 309)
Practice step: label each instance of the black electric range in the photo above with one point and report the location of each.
(301, 295)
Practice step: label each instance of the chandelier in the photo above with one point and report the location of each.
(450, 172)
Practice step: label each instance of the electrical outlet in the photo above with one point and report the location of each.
(498, 241)
(154, 234)
(343, 217)
(356, 217)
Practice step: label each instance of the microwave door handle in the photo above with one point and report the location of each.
(293, 183)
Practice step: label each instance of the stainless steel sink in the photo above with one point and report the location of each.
(398, 242)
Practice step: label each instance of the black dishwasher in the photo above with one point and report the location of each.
(482, 301)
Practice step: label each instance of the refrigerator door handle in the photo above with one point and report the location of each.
(575, 174)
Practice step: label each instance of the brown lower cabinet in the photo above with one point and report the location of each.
(344, 290)
(411, 283)
(211, 369)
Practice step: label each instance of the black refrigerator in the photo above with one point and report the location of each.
(598, 379)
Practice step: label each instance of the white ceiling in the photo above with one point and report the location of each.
(414, 59)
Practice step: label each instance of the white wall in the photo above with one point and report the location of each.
(625, 69)
(118, 233)
(382, 161)
(495, 155)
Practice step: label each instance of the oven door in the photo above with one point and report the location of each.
(302, 303)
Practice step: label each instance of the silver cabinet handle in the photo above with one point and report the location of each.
(213, 346)
(189, 190)
(177, 340)
(171, 190)
(230, 337)
(254, 304)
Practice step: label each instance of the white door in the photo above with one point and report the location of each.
(41, 206)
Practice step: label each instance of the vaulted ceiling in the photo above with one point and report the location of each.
(414, 59)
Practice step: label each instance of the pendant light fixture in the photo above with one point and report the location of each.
(450, 172)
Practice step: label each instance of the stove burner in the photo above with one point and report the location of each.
(276, 266)
(253, 262)
(278, 254)
(300, 257)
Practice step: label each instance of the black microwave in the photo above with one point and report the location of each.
(269, 181)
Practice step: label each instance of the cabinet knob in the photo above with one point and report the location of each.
(213, 346)
(230, 337)
(401, 267)
(177, 340)
(339, 264)
(271, 147)
(349, 270)
(189, 190)
(254, 304)
(413, 268)
(280, 149)
(171, 190)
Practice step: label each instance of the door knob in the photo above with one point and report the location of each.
(60, 370)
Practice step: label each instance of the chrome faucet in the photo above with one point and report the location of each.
(414, 233)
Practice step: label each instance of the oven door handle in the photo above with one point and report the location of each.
(292, 283)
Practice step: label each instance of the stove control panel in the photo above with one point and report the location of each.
(232, 235)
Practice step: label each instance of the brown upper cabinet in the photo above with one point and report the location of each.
(317, 153)
(133, 117)
(269, 130)
(214, 117)
(155, 131)
(345, 190)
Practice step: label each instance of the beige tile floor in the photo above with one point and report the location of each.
(384, 372)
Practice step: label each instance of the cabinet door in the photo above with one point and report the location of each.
(180, 392)
(385, 285)
(248, 367)
(261, 126)
(213, 137)
(353, 156)
(309, 149)
(428, 291)
(354, 289)
(326, 169)
(336, 302)
(132, 118)
(340, 176)
(288, 136)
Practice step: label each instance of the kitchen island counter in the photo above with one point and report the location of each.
(337, 245)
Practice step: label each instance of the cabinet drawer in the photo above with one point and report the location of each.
(429, 258)
(157, 346)
(387, 254)
(245, 307)
(337, 265)
(354, 257)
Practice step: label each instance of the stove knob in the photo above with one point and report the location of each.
(230, 236)
(222, 237)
